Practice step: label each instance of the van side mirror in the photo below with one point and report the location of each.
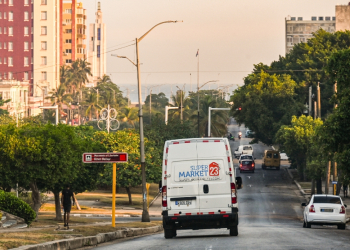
(160, 185)
(345, 205)
(239, 182)
(303, 204)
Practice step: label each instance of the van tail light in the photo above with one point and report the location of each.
(240, 165)
(342, 210)
(164, 201)
(312, 209)
(233, 193)
(253, 164)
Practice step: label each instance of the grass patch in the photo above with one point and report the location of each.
(49, 220)
(17, 239)
(305, 185)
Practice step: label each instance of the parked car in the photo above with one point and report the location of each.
(325, 210)
(249, 133)
(271, 159)
(284, 157)
(244, 149)
(247, 165)
(199, 187)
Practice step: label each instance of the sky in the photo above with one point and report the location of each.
(231, 36)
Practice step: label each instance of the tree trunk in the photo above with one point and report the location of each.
(36, 198)
(57, 205)
(319, 185)
(313, 187)
(129, 195)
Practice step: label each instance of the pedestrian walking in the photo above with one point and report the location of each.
(345, 189)
(67, 199)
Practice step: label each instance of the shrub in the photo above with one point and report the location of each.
(13, 205)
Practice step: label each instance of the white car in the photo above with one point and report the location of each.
(325, 210)
(246, 157)
(244, 149)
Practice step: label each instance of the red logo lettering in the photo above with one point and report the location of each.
(213, 169)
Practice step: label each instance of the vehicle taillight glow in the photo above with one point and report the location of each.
(240, 165)
(253, 164)
(233, 193)
(342, 210)
(312, 209)
(164, 201)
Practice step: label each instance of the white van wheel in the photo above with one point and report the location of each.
(169, 233)
(234, 231)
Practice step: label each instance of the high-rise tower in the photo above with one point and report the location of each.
(97, 47)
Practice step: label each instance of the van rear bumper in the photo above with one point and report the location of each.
(200, 221)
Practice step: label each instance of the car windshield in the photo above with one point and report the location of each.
(246, 157)
(327, 199)
(246, 162)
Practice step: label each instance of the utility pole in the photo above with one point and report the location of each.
(315, 110)
(198, 91)
(335, 166)
(310, 100)
(318, 100)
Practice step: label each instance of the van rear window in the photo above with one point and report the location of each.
(276, 156)
(327, 199)
(247, 148)
(268, 155)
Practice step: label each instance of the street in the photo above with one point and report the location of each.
(270, 217)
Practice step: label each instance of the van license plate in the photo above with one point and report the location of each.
(327, 210)
(181, 203)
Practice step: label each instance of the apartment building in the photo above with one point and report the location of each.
(342, 12)
(97, 48)
(16, 41)
(299, 30)
(46, 51)
(73, 30)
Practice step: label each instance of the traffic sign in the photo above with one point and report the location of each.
(334, 182)
(105, 157)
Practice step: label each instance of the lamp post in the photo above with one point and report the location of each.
(198, 88)
(167, 111)
(145, 214)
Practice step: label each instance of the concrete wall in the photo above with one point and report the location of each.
(342, 13)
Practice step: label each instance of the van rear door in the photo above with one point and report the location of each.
(182, 185)
(215, 188)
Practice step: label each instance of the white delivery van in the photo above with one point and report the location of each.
(199, 187)
(248, 150)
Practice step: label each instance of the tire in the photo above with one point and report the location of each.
(234, 231)
(263, 166)
(169, 233)
(278, 168)
(342, 226)
(240, 171)
(253, 171)
(304, 224)
(307, 224)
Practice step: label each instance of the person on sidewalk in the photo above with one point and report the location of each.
(66, 201)
(345, 189)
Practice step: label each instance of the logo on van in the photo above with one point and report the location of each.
(213, 169)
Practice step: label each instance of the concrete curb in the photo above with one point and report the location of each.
(99, 215)
(91, 240)
(296, 183)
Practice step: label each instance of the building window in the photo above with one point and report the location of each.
(328, 18)
(26, 2)
(26, 16)
(43, 30)
(68, 40)
(0, 45)
(5, 31)
(10, 2)
(5, 45)
(44, 15)
(4, 75)
(26, 31)
(31, 60)
(10, 16)
(43, 2)
(68, 51)
(98, 51)
(10, 46)
(43, 60)
(68, 20)
(10, 31)
(0, 15)
(68, 31)
(290, 28)
(26, 76)
(5, 15)
(333, 18)
(99, 34)
(10, 61)
(10, 76)
(0, 30)
(26, 61)
(68, 11)
(320, 18)
(43, 75)
(68, 60)
(0, 60)
(43, 45)
(26, 46)
(313, 18)
(300, 19)
(5, 60)
(32, 45)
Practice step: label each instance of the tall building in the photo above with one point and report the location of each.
(97, 47)
(298, 30)
(342, 12)
(16, 41)
(73, 30)
(46, 52)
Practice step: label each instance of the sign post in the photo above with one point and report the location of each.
(108, 158)
(335, 183)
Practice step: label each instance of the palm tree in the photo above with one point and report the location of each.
(79, 72)
(130, 115)
(60, 97)
(104, 79)
(218, 118)
(91, 103)
(186, 111)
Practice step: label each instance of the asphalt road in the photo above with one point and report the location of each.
(269, 218)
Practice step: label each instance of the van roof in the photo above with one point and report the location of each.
(189, 140)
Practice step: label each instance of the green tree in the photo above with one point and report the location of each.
(2, 103)
(129, 174)
(296, 139)
(265, 103)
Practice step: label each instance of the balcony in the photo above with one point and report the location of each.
(82, 36)
(81, 46)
